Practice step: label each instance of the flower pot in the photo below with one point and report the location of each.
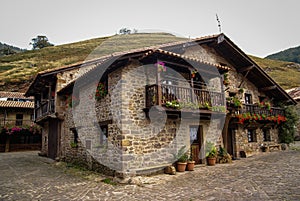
(190, 165)
(211, 161)
(181, 166)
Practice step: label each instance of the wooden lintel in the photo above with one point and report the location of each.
(268, 88)
(249, 68)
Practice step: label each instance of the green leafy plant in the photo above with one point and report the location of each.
(287, 129)
(109, 181)
(101, 91)
(182, 155)
(173, 104)
(223, 156)
(74, 144)
(211, 150)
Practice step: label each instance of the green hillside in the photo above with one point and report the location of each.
(286, 74)
(18, 70)
(9, 49)
(291, 54)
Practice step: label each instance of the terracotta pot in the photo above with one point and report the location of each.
(181, 166)
(211, 161)
(190, 165)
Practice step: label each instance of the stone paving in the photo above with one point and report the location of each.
(267, 176)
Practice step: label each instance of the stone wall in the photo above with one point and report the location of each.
(208, 54)
(45, 133)
(136, 144)
(252, 148)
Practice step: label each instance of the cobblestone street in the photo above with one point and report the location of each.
(268, 176)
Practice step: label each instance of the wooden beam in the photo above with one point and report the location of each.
(244, 78)
(249, 68)
(268, 88)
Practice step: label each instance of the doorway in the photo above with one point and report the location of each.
(196, 140)
(229, 137)
(53, 138)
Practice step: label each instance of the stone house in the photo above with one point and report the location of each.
(131, 112)
(295, 94)
(16, 123)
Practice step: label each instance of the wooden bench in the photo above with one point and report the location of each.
(272, 147)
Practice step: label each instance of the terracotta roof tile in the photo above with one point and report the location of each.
(190, 58)
(8, 94)
(16, 104)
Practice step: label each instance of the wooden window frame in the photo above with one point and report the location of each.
(251, 135)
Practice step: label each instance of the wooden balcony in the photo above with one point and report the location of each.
(255, 109)
(45, 108)
(15, 122)
(187, 97)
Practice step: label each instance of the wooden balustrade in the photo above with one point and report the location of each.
(171, 93)
(256, 109)
(45, 108)
(16, 122)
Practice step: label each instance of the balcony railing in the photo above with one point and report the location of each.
(45, 108)
(169, 93)
(15, 122)
(255, 109)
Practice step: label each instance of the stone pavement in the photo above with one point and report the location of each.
(267, 176)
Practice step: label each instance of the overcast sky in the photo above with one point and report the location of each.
(258, 27)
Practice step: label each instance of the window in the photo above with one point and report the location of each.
(194, 134)
(261, 98)
(251, 135)
(266, 135)
(19, 119)
(248, 99)
(75, 135)
(104, 134)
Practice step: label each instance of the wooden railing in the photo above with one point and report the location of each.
(255, 109)
(171, 93)
(15, 122)
(45, 108)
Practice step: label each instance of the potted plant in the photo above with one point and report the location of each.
(223, 156)
(190, 164)
(211, 153)
(182, 158)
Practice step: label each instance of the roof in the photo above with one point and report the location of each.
(150, 52)
(294, 93)
(16, 104)
(102, 59)
(250, 70)
(8, 94)
(220, 42)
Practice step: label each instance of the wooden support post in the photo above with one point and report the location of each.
(7, 144)
(192, 89)
(159, 91)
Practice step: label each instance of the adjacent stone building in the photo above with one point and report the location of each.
(131, 112)
(17, 128)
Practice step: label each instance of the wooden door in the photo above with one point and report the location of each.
(196, 139)
(53, 138)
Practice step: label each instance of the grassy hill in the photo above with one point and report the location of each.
(18, 70)
(287, 74)
(291, 54)
(9, 49)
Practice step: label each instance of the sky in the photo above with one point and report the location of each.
(258, 27)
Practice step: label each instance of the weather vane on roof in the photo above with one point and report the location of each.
(219, 23)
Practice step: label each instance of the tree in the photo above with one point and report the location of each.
(287, 129)
(124, 31)
(7, 50)
(40, 42)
